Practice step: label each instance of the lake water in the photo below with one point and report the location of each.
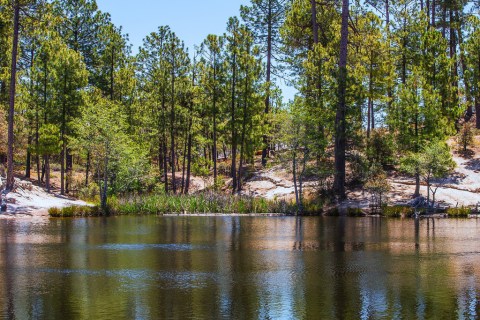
(239, 268)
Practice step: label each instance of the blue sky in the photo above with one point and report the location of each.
(191, 20)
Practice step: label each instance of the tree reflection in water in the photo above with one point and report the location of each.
(239, 267)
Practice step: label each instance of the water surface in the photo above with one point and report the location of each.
(239, 268)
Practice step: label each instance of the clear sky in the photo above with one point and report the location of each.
(191, 20)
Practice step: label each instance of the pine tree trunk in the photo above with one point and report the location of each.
(214, 153)
(244, 125)
(43, 171)
(313, 5)
(69, 170)
(297, 198)
(28, 160)
(453, 55)
(62, 170)
(428, 11)
(468, 94)
(184, 161)
(165, 164)
(444, 17)
(172, 122)
(433, 13)
(37, 157)
(63, 134)
(387, 14)
(417, 185)
(105, 185)
(477, 105)
(232, 111)
(11, 110)
(47, 173)
(87, 169)
(189, 159)
(370, 115)
(340, 132)
(269, 71)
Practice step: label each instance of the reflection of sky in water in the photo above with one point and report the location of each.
(234, 267)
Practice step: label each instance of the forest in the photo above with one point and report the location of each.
(381, 85)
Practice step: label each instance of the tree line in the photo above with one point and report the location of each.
(378, 82)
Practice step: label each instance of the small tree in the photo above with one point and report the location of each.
(465, 137)
(120, 163)
(48, 144)
(297, 141)
(377, 185)
(433, 163)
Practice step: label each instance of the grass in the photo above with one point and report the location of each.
(75, 211)
(355, 212)
(196, 204)
(461, 212)
(397, 211)
(180, 204)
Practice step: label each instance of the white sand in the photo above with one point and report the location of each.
(35, 203)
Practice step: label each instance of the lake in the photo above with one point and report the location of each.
(239, 268)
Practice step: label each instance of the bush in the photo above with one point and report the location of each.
(397, 211)
(75, 211)
(199, 203)
(461, 212)
(201, 166)
(90, 192)
(355, 212)
(332, 212)
(359, 167)
(377, 185)
(466, 137)
(54, 212)
(381, 147)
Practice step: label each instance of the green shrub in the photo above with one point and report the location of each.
(90, 192)
(208, 202)
(381, 147)
(397, 211)
(333, 212)
(75, 211)
(355, 212)
(461, 212)
(54, 212)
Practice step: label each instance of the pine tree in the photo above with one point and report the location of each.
(265, 18)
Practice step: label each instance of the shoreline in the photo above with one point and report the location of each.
(43, 215)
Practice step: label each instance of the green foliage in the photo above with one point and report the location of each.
(75, 211)
(397, 211)
(435, 161)
(377, 185)
(355, 212)
(381, 148)
(49, 140)
(205, 203)
(90, 193)
(462, 212)
(466, 136)
(359, 167)
(200, 167)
